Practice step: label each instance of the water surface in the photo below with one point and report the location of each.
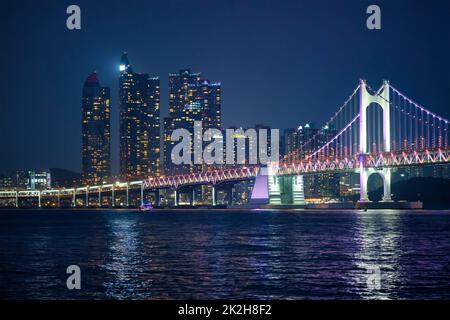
(125, 254)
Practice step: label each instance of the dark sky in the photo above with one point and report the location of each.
(280, 62)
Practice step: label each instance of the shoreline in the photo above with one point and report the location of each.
(231, 210)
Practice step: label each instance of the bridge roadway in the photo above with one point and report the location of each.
(114, 190)
(373, 163)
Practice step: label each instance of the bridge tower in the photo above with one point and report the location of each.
(382, 99)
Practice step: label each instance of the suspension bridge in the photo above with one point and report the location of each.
(374, 131)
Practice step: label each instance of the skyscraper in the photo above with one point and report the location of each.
(178, 90)
(191, 98)
(182, 114)
(208, 97)
(96, 164)
(139, 98)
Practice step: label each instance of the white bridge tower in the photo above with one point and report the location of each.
(382, 99)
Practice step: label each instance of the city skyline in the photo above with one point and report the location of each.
(289, 73)
(225, 156)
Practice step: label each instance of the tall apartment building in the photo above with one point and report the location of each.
(191, 98)
(96, 136)
(140, 134)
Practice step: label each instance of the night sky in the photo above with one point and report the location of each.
(280, 62)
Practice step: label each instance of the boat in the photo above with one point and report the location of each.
(146, 207)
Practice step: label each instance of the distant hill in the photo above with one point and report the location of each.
(64, 178)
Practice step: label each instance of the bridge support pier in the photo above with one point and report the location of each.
(387, 185)
(113, 198)
(175, 197)
(87, 198)
(363, 179)
(365, 174)
(292, 186)
(158, 197)
(142, 194)
(298, 193)
(213, 195)
(231, 196)
(17, 199)
(274, 189)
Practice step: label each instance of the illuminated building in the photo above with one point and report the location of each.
(139, 98)
(168, 126)
(39, 180)
(289, 141)
(191, 98)
(26, 180)
(208, 97)
(243, 192)
(6, 182)
(300, 142)
(178, 90)
(96, 163)
(21, 178)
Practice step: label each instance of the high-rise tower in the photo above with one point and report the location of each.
(96, 164)
(191, 98)
(139, 98)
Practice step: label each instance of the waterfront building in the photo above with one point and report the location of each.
(243, 192)
(208, 97)
(191, 98)
(26, 180)
(139, 98)
(39, 180)
(289, 141)
(300, 142)
(6, 182)
(96, 136)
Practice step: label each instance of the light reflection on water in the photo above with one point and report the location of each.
(378, 247)
(225, 254)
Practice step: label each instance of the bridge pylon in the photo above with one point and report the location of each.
(382, 99)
